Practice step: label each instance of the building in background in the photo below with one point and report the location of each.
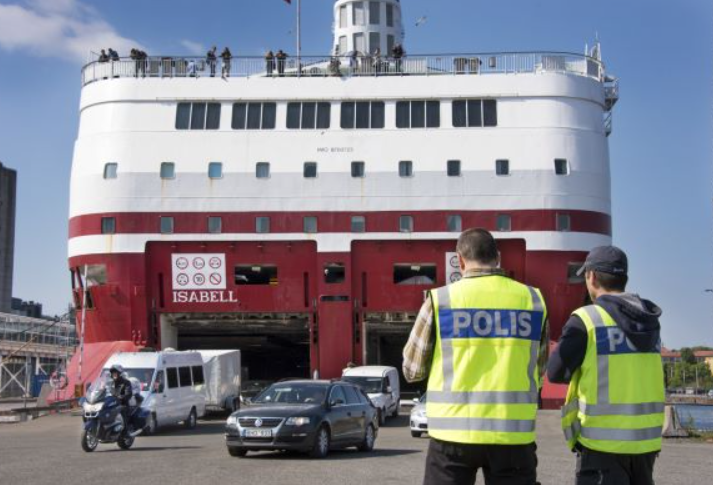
(24, 308)
(8, 184)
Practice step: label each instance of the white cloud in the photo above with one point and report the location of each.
(66, 29)
(193, 48)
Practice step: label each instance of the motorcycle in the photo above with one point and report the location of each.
(103, 421)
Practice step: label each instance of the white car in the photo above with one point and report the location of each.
(419, 420)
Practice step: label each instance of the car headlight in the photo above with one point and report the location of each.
(422, 414)
(232, 421)
(301, 421)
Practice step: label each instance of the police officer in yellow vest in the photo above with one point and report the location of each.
(610, 353)
(479, 341)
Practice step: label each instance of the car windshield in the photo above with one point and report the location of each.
(370, 385)
(293, 394)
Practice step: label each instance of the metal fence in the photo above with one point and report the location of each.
(352, 66)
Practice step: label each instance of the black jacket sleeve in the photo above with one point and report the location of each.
(569, 353)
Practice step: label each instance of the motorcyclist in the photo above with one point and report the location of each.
(121, 390)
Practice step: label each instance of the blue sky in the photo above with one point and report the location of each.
(660, 149)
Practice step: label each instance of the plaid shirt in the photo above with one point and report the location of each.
(419, 348)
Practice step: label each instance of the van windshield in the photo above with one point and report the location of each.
(144, 376)
(370, 385)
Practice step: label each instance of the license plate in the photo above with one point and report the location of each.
(258, 433)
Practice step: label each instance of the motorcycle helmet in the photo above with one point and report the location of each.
(116, 368)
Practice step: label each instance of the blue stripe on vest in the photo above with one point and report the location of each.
(613, 341)
(476, 323)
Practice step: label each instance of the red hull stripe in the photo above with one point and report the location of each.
(337, 222)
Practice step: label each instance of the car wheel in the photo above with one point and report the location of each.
(369, 439)
(415, 434)
(151, 425)
(237, 452)
(320, 448)
(89, 441)
(191, 420)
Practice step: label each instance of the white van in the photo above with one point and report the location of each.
(381, 383)
(171, 383)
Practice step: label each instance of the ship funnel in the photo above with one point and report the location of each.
(365, 26)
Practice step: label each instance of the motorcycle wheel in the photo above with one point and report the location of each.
(89, 441)
(125, 442)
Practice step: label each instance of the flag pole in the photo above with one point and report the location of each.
(299, 38)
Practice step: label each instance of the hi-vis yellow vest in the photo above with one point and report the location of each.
(484, 380)
(615, 402)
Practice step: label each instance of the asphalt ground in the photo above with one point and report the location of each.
(47, 451)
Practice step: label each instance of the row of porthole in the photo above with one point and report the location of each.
(454, 223)
(358, 169)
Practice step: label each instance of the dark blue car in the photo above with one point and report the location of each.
(307, 416)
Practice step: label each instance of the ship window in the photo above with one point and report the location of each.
(504, 223)
(215, 225)
(389, 15)
(490, 113)
(390, 41)
(262, 225)
(406, 224)
(418, 114)
(454, 223)
(110, 170)
(561, 166)
(453, 168)
(405, 169)
(198, 116)
(265, 274)
(183, 116)
(308, 116)
(358, 169)
(374, 13)
(108, 225)
(374, 42)
(415, 274)
(334, 273)
(213, 118)
(310, 170)
(168, 170)
(215, 170)
(262, 170)
(309, 224)
(166, 225)
(253, 116)
(362, 115)
(572, 269)
(475, 113)
(564, 222)
(343, 17)
(358, 13)
(358, 224)
(342, 44)
(502, 167)
(96, 274)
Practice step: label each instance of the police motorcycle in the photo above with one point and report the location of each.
(103, 421)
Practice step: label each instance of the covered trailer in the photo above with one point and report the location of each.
(222, 379)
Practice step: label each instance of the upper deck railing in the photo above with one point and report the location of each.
(345, 66)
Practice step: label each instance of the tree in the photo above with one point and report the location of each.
(687, 356)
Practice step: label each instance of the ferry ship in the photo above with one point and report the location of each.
(298, 208)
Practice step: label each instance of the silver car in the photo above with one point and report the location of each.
(419, 421)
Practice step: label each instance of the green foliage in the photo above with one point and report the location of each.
(687, 356)
(683, 374)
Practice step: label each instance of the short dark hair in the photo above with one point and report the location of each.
(477, 245)
(612, 282)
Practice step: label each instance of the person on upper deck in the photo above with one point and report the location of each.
(103, 57)
(397, 52)
(281, 59)
(226, 55)
(113, 55)
(270, 62)
(211, 58)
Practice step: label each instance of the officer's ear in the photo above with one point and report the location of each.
(461, 263)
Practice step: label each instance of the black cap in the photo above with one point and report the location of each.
(606, 259)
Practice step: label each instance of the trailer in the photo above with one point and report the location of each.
(222, 379)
